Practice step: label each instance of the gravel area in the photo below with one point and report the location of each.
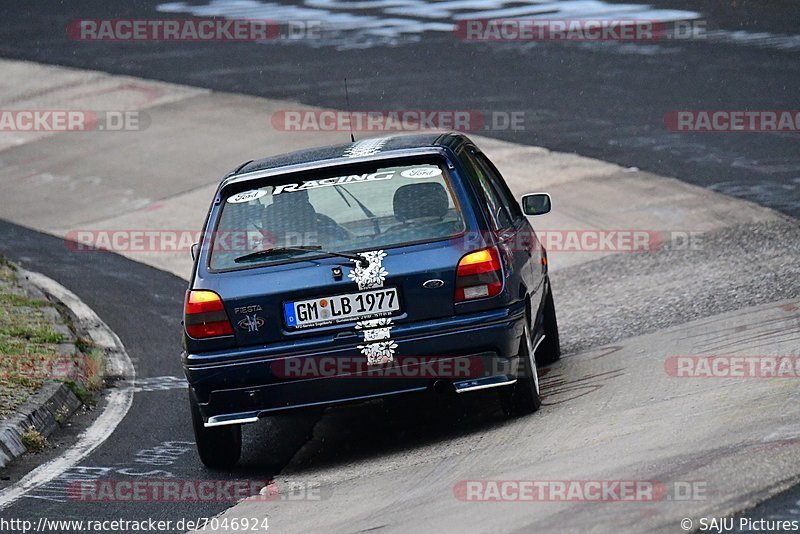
(632, 294)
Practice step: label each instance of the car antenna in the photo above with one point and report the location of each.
(349, 112)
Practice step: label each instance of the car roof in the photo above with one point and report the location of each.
(362, 150)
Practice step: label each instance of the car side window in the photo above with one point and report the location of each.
(493, 205)
(499, 208)
(503, 193)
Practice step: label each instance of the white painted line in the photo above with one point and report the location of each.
(159, 383)
(117, 406)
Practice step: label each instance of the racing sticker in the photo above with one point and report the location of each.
(378, 344)
(381, 346)
(379, 353)
(328, 182)
(246, 196)
(376, 329)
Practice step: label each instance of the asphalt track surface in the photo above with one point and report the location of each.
(143, 306)
(605, 100)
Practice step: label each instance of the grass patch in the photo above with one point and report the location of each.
(83, 345)
(33, 334)
(8, 273)
(33, 440)
(93, 370)
(61, 415)
(83, 394)
(12, 299)
(29, 348)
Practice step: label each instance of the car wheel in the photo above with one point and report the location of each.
(523, 397)
(549, 350)
(218, 447)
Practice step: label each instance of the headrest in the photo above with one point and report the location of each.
(294, 198)
(414, 201)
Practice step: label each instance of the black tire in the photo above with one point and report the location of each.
(549, 350)
(218, 447)
(523, 397)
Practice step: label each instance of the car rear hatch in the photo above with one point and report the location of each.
(402, 217)
(321, 298)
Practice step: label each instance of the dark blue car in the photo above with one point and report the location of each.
(377, 268)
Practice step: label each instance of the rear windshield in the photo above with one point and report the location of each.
(385, 207)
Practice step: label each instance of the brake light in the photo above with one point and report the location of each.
(204, 315)
(479, 275)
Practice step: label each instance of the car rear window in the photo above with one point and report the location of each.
(385, 207)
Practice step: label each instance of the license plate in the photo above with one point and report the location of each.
(342, 308)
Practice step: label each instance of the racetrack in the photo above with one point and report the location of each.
(615, 416)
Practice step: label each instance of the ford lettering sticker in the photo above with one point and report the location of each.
(421, 172)
(246, 196)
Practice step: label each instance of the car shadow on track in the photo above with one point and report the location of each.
(358, 432)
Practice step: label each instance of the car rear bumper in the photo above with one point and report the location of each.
(469, 352)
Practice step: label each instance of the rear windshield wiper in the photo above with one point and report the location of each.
(364, 262)
(375, 224)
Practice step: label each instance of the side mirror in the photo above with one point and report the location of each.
(536, 204)
(195, 249)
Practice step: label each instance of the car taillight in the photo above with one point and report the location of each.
(479, 275)
(204, 315)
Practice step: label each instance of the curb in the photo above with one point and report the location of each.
(55, 400)
(118, 399)
(116, 361)
(42, 411)
(47, 407)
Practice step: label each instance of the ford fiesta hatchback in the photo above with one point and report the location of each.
(382, 267)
